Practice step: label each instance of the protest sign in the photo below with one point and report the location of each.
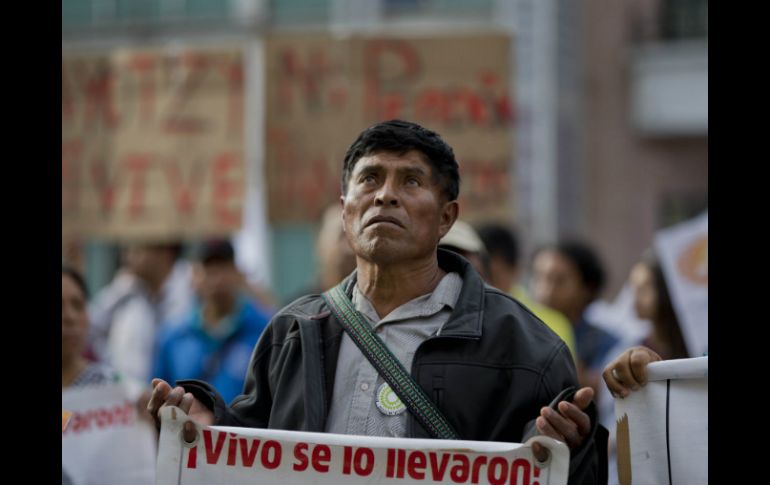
(104, 440)
(245, 455)
(662, 429)
(322, 90)
(152, 142)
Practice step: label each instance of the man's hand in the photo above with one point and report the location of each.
(628, 372)
(569, 425)
(163, 395)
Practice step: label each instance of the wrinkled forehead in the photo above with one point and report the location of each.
(410, 162)
(387, 157)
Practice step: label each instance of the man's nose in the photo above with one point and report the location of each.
(387, 195)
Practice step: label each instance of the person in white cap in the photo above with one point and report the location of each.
(463, 240)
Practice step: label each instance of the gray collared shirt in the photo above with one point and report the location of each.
(354, 407)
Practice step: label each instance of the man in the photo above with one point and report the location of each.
(151, 290)
(214, 342)
(485, 361)
(504, 274)
(568, 277)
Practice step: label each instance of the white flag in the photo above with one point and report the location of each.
(683, 252)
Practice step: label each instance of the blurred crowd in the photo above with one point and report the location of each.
(195, 315)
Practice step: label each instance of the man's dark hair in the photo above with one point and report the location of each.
(500, 241)
(585, 259)
(401, 136)
(215, 251)
(76, 277)
(175, 248)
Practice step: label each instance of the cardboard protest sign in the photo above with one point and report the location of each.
(244, 455)
(105, 441)
(152, 142)
(662, 429)
(322, 90)
(683, 251)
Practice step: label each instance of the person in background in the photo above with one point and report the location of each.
(568, 276)
(652, 302)
(214, 341)
(505, 274)
(79, 373)
(151, 290)
(335, 258)
(463, 240)
(76, 370)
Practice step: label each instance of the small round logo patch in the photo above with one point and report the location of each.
(388, 401)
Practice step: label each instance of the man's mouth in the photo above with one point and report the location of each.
(385, 219)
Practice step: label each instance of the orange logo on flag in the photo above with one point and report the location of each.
(693, 262)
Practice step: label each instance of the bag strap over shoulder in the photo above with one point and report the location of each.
(388, 366)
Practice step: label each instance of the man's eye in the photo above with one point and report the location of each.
(411, 181)
(368, 178)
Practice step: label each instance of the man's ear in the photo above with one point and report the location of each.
(449, 214)
(342, 205)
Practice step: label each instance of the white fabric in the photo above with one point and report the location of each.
(125, 320)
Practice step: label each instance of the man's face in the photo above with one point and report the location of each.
(217, 282)
(557, 284)
(145, 261)
(502, 274)
(394, 210)
(74, 319)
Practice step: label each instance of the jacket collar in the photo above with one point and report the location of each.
(467, 316)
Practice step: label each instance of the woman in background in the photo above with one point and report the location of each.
(126, 453)
(652, 302)
(76, 370)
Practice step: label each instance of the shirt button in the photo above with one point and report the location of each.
(364, 386)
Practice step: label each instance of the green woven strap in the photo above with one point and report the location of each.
(386, 364)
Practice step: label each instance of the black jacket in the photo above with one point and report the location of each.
(490, 371)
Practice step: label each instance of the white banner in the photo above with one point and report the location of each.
(244, 455)
(683, 252)
(103, 440)
(662, 429)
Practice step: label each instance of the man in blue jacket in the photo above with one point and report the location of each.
(215, 341)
